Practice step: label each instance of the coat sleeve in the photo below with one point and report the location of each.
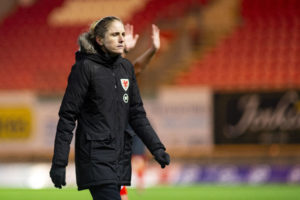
(78, 83)
(139, 121)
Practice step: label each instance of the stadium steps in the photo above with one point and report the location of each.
(260, 54)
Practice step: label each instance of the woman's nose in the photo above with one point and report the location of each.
(121, 38)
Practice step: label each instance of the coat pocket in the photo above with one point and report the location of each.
(102, 147)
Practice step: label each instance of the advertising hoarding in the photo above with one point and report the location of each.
(257, 118)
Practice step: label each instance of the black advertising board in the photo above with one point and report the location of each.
(257, 118)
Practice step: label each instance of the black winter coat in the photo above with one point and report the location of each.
(103, 97)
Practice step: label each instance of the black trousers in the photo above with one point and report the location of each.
(105, 192)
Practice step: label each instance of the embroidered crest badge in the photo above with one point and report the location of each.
(125, 83)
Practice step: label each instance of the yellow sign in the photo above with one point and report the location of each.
(15, 122)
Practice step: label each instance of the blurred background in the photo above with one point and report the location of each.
(222, 92)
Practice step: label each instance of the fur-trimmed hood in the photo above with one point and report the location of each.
(85, 45)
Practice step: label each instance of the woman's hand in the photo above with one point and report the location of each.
(155, 37)
(130, 40)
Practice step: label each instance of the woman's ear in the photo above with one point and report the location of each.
(99, 40)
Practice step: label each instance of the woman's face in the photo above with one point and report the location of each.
(113, 40)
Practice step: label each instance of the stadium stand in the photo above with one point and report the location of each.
(35, 56)
(41, 56)
(261, 54)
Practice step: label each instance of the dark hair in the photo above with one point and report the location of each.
(100, 27)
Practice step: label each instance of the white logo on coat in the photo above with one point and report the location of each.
(125, 98)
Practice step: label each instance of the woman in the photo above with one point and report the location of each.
(103, 97)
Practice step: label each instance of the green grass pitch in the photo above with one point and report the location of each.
(196, 192)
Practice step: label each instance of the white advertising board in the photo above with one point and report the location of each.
(182, 116)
